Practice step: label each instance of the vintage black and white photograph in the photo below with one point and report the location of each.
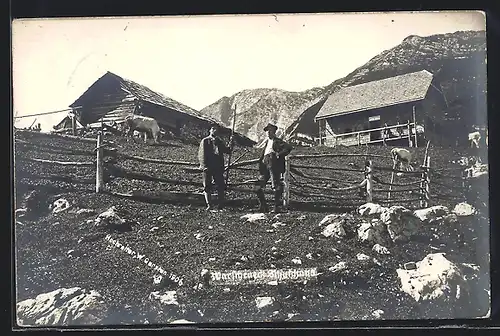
(250, 168)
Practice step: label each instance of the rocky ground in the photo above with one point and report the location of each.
(69, 248)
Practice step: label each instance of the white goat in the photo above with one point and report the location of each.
(402, 159)
(474, 138)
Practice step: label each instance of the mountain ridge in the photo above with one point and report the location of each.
(448, 56)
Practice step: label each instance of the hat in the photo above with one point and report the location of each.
(270, 126)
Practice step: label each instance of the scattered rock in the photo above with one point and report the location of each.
(400, 222)
(254, 217)
(297, 261)
(370, 209)
(59, 205)
(434, 212)
(374, 232)
(476, 170)
(264, 301)
(63, 307)
(110, 219)
(338, 267)
(165, 298)
(362, 257)
(157, 278)
(334, 228)
(380, 249)
(451, 218)
(464, 209)
(378, 313)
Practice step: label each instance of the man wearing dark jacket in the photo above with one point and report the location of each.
(272, 165)
(211, 158)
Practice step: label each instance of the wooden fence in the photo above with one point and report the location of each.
(350, 184)
(386, 134)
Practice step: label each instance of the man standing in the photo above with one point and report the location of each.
(211, 158)
(272, 165)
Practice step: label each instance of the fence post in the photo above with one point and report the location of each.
(286, 196)
(427, 181)
(415, 126)
(99, 172)
(359, 138)
(369, 181)
(409, 134)
(392, 180)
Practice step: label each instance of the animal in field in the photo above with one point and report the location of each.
(474, 138)
(402, 159)
(142, 124)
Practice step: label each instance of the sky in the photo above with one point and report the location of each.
(197, 60)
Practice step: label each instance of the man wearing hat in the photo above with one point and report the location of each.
(272, 165)
(211, 158)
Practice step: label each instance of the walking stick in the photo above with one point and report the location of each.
(231, 146)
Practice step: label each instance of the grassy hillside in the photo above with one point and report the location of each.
(68, 249)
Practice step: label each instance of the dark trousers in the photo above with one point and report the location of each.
(275, 175)
(217, 175)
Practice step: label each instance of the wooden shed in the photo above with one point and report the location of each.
(112, 98)
(385, 110)
(66, 125)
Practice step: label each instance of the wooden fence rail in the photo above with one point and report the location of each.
(60, 163)
(293, 184)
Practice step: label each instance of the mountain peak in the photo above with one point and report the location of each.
(450, 57)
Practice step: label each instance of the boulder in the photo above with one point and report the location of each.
(437, 284)
(334, 228)
(374, 232)
(431, 213)
(401, 223)
(63, 307)
(370, 209)
(464, 209)
(110, 219)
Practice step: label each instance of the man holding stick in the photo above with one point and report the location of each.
(272, 165)
(211, 158)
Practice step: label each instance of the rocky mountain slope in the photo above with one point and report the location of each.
(456, 59)
(255, 108)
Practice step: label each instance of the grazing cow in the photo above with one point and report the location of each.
(143, 124)
(474, 138)
(402, 159)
